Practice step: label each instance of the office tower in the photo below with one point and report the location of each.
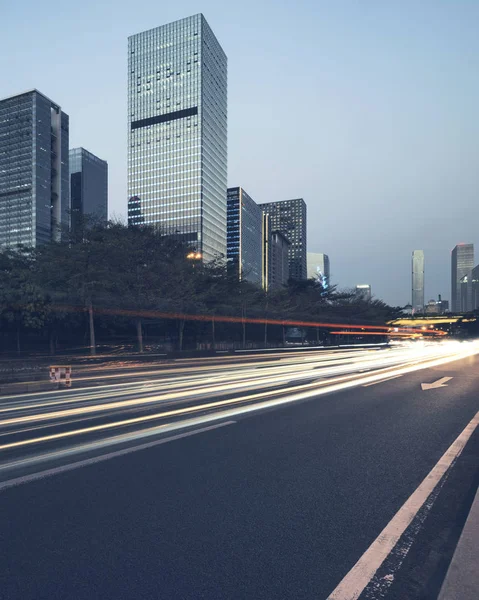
(289, 218)
(462, 263)
(363, 291)
(244, 236)
(475, 288)
(418, 281)
(266, 254)
(177, 117)
(318, 268)
(465, 295)
(88, 187)
(34, 179)
(278, 273)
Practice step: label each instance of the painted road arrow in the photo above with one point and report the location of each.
(439, 383)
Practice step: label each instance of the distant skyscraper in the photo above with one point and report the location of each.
(289, 218)
(34, 179)
(475, 288)
(418, 281)
(244, 236)
(363, 290)
(462, 263)
(318, 268)
(88, 186)
(177, 117)
(432, 308)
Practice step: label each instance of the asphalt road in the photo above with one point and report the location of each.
(271, 483)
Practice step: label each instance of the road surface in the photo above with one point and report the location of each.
(234, 478)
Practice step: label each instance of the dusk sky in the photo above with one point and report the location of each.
(368, 110)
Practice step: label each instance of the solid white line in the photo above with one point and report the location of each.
(353, 584)
(91, 461)
(387, 379)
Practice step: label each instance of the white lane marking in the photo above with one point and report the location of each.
(91, 461)
(354, 582)
(387, 379)
(436, 384)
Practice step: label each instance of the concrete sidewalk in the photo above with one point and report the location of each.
(462, 578)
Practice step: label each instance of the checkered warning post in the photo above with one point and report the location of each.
(61, 375)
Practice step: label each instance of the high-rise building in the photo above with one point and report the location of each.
(475, 288)
(88, 187)
(177, 136)
(462, 263)
(363, 291)
(289, 218)
(318, 268)
(417, 281)
(34, 179)
(275, 257)
(244, 236)
(278, 273)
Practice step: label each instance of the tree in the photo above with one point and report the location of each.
(22, 306)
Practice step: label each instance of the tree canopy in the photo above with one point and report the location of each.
(123, 277)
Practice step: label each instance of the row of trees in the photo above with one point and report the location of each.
(119, 279)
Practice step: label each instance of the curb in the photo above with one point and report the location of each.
(462, 577)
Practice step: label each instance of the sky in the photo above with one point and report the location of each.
(366, 109)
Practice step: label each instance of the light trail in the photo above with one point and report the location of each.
(257, 401)
(154, 314)
(229, 383)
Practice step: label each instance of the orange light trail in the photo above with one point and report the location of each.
(154, 314)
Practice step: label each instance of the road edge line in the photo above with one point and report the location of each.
(355, 581)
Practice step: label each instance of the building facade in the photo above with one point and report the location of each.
(34, 177)
(363, 291)
(244, 237)
(278, 273)
(177, 132)
(319, 268)
(462, 263)
(417, 281)
(289, 218)
(88, 187)
(475, 288)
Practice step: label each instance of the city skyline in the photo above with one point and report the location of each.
(437, 172)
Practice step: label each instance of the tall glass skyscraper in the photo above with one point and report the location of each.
(462, 263)
(417, 281)
(245, 236)
(177, 133)
(34, 179)
(88, 186)
(289, 218)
